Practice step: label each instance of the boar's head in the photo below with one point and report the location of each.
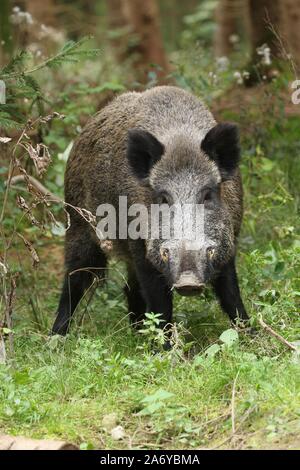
(188, 172)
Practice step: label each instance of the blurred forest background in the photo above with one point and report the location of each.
(61, 62)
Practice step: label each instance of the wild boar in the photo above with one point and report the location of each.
(160, 146)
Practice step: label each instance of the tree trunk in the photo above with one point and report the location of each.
(265, 25)
(226, 21)
(147, 44)
(265, 15)
(291, 28)
(6, 43)
(117, 25)
(44, 12)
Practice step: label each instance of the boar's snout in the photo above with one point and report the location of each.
(188, 284)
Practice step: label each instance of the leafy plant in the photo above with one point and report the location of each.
(152, 331)
(20, 84)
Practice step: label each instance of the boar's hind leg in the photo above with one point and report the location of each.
(84, 261)
(135, 299)
(227, 290)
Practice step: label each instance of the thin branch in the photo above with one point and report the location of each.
(286, 55)
(233, 403)
(36, 184)
(60, 55)
(277, 335)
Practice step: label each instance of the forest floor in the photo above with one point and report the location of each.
(216, 388)
(102, 375)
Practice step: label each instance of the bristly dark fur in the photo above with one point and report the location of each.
(143, 151)
(221, 144)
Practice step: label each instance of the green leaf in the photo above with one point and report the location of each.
(157, 396)
(6, 331)
(199, 360)
(229, 337)
(150, 409)
(212, 350)
(267, 165)
(279, 267)
(7, 122)
(86, 446)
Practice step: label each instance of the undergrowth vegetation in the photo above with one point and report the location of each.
(217, 386)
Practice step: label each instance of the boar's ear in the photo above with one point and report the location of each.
(143, 151)
(221, 144)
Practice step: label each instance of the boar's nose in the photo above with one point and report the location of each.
(188, 284)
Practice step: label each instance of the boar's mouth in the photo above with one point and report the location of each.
(188, 285)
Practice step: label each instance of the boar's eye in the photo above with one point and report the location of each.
(208, 196)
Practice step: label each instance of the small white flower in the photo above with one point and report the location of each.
(234, 39)
(222, 63)
(213, 77)
(265, 52)
(51, 33)
(44, 29)
(28, 18)
(15, 19)
(238, 76)
(20, 17)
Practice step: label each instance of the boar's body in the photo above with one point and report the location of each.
(138, 146)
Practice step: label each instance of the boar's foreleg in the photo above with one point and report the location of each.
(135, 299)
(156, 292)
(227, 290)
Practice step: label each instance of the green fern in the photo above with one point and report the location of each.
(15, 64)
(6, 122)
(20, 83)
(72, 52)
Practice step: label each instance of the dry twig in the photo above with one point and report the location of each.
(277, 335)
(233, 403)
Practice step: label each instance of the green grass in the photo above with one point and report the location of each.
(64, 387)
(193, 395)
